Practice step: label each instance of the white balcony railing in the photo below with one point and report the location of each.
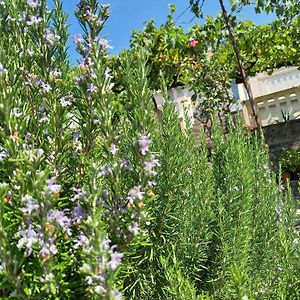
(275, 107)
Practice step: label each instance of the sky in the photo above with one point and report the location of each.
(127, 15)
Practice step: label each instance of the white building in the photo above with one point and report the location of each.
(277, 97)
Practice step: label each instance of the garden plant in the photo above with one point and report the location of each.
(102, 199)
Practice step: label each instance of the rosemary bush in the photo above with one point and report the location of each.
(102, 199)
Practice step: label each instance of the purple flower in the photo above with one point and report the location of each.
(39, 153)
(46, 87)
(31, 205)
(48, 249)
(107, 73)
(103, 43)
(79, 194)
(144, 143)
(113, 149)
(32, 3)
(135, 194)
(75, 135)
(29, 237)
(105, 244)
(151, 184)
(79, 214)
(34, 20)
(52, 187)
(55, 73)
(149, 165)
(64, 102)
(92, 88)
(2, 69)
(105, 170)
(78, 39)
(81, 240)
(79, 79)
(125, 164)
(115, 259)
(38, 80)
(22, 17)
(99, 289)
(50, 37)
(61, 219)
(134, 228)
(117, 295)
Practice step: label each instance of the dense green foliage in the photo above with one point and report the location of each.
(101, 199)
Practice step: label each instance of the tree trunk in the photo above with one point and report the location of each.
(240, 65)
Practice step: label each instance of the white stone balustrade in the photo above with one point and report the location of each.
(277, 97)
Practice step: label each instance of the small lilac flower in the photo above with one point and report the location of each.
(87, 50)
(79, 194)
(55, 73)
(113, 149)
(149, 165)
(2, 69)
(117, 295)
(144, 143)
(105, 194)
(81, 240)
(46, 87)
(79, 214)
(152, 183)
(34, 20)
(61, 219)
(103, 43)
(30, 205)
(64, 102)
(29, 237)
(22, 17)
(79, 79)
(75, 135)
(99, 289)
(125, 164)
(115, 259)
(78, 39)
(32, 3)
(134, 228)
(38, 80)
(135, 194)
(105, 244)
(39, 153)
(107, 73)
(92, 88)
(50, 37)
(105, 170)
(52, 187)
(48, 249)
